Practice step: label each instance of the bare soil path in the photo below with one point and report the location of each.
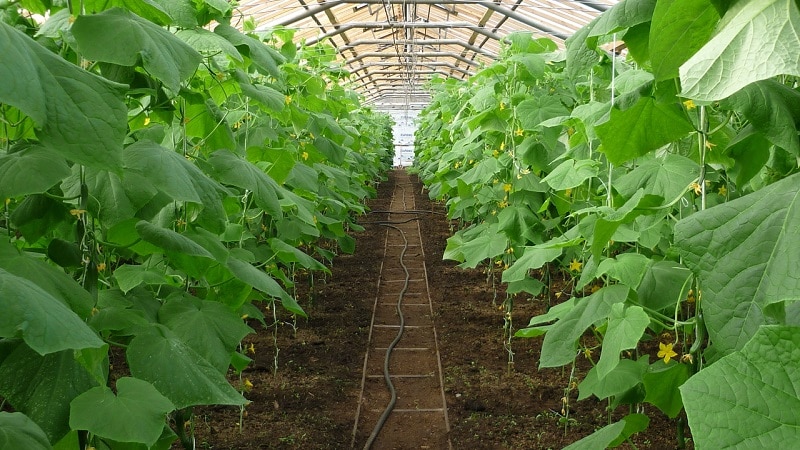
(402, 399)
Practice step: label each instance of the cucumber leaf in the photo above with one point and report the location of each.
(743, 253)
(121, 37)
(19, 431)
(80, 116)
(758, 385)
(135, 414)
(754, 41)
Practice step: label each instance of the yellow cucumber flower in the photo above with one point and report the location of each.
(665, 351)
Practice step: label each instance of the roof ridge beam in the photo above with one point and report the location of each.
(416, 54)
(470, 47)
(349, 26)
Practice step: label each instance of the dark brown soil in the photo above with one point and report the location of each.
(310, 401)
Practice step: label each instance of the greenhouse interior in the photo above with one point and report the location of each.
(376, 224)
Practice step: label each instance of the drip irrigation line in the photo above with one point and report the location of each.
(389, 222)
(408, 211)
(386, 377)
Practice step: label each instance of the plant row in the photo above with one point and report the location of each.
(652, 163)
(165, 177)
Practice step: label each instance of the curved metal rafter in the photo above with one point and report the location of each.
(396, 46)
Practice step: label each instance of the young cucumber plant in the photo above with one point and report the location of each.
(156, 194)
(653, 160)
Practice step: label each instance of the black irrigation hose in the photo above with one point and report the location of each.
(392, 391)
(409, 211)
(388, 222)
(393, 400)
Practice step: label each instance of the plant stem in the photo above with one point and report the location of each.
(180, 416)
(702, 142)
(680, 430)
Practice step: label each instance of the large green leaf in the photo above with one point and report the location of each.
(773, 109)
(32, 170)
(174, 175)
(624, 14)
(481, 173)
(171, 241)
(178, 372)
(751, 151)
(81, 116)
(600, 439)
(580, 58)
(262, 281)
(129, 276)
(47, 277)
(518, 224)
(534, 111)
(290, 254)
(627, 268)
(135, 414)
(265, 58)
(665, 283)
(626, 375)
(206, 121)
(661, 383)
(560, 342)
(113, 198)
(571, 173)
(679, 29)
(38, 215)
(612, 435)
(19, 431)
(42, 386)
(268, 96)
(667, 177)
(750, 398)
(334, 153)
(640, 129)
(209, 328)
(626, 324)
(208, 43)
(533, 257)
(121, 37)
(45, 323)
(755, 40)
(235, 171)
(147, 9)
(183, 12)
(478, 246)
(743, 253)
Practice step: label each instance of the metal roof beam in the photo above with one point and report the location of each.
(522, 19)
(393, 93)
(415, 55)
(470, 47)
(364, 83)
(425, 64)
(385, 93)
(594, 5)
(380, 25)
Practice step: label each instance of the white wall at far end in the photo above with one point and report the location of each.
(404, 127)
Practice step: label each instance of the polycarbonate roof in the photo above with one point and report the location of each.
(392, 48)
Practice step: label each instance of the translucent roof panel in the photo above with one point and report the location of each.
(392, 48)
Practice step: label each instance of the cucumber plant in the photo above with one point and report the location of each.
(164, 176)
(648, 158)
